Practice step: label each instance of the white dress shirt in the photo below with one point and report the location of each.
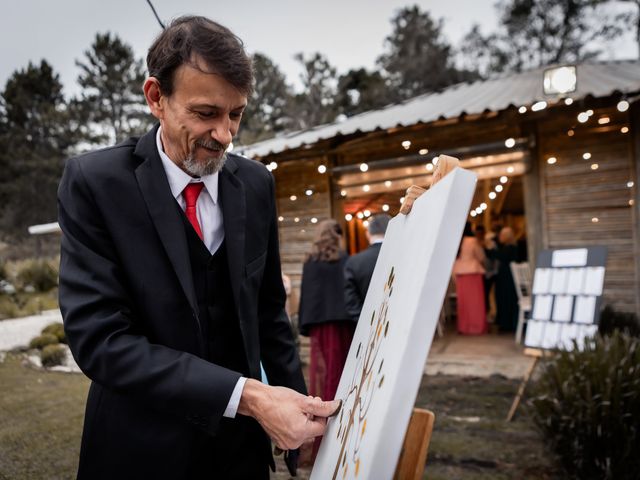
(209, 216)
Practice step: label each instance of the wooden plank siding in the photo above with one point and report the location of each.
(585, 206)
(294, 178)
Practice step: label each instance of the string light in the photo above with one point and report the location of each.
(586, 155)
(280, 218)
(385, 208)
(538, 106)
(406, 144)
(401, 199)
(595, 220)
(594, 166)
(483, 206)
(510, 170)
(365, 223)
(343, 193)
(293, 198)
(387, 183)
(622, 106)
(429, 167)
(423, 151)
(583, 117)
(603, 120)
(273, 165)
(551, 160)
(504, 179)
(322, 169)
(435, 160)
(522, 109)
(571, 132)
(509, 142)
(296, 219)
(364, 167)
(348, 217)
(473, 213)
(630, 184)
(498, 188)
(360, 215)
(366, 188)
(308, 193)
(492, 195)
(624, 130)
(367, 213)
(314, 220)
(568, 101)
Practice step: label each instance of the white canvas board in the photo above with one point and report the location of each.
(551, 337)
(541, 281)
(574, 257)
(562, 307)
(559, 277)
(542, 307)
(594, 281)
(585, 309)
(386, 360)
(534, 335)
(575, 283)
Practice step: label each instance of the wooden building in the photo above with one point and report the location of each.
(561, 168)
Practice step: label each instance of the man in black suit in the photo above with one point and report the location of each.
(359, 268)
(170, 282)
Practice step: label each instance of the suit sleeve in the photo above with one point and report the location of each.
(278, 350)
(353, 298)
(107, 337)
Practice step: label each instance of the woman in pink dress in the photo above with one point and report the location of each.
(469, 274)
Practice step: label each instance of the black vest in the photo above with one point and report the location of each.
(218, 316)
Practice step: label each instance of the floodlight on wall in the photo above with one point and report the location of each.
(560, 80)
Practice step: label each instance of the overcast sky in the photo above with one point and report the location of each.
(350, 32)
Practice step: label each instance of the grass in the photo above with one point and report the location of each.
(23, 304)
(41, 421)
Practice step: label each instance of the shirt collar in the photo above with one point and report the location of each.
(178, 179)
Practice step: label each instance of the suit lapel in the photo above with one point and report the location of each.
(161, 205)
(233, 203)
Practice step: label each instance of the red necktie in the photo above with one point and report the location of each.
(191, 193)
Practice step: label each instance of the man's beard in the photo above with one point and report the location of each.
(211, 164)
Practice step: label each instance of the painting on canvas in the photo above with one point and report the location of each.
(394, 333)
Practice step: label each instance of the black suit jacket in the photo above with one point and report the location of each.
(130, 312)
(357, 276)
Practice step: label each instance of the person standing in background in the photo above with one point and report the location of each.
(468, 270)
(359, 268)
(506, 295)
(322, 315)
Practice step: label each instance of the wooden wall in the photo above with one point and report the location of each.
(294, 178)
(583, 205)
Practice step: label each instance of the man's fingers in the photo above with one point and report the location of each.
(320, 408)
(316, 427)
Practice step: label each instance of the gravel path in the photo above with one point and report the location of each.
(18, 332)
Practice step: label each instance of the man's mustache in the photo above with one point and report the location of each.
(211, 145)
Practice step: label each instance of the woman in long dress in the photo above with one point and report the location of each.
(322, 315)
(469, 275)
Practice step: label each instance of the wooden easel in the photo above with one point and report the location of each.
(413, 455)
(536, 354)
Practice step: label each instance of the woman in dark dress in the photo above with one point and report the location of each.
(505, 290)
(322, 315)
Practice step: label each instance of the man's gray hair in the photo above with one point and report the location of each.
(378, 224)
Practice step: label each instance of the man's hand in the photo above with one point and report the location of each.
(287, 416)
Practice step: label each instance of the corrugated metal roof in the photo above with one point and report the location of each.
(595, 79)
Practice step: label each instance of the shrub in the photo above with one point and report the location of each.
(612, 320)
(587, 405)
(43, 340)
(52, 355)
(38, 273)
(57, 329)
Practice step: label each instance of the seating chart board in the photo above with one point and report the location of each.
(567, 295)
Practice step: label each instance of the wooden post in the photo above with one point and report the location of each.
(413, 455)
(536, 354)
